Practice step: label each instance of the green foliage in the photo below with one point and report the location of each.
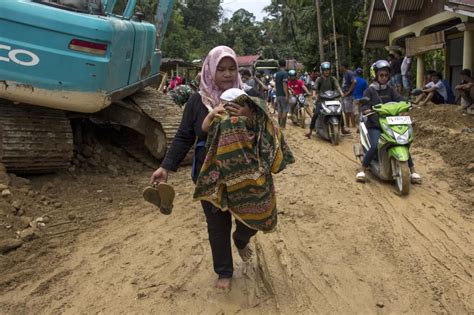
(242, 33)
(288, 32)
(434, 60)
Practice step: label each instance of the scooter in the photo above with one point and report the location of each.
(328, 123)
(298, 107)
(393, 146)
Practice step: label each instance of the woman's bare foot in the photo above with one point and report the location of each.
(244, 253)
(223, 284)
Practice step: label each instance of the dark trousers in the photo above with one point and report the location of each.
(317, 109)
(374, 135)
(219, 226)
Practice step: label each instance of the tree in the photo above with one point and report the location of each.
(242, 33)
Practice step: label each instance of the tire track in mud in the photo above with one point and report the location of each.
(340, 247)
(414, 241)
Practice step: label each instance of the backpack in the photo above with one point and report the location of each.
(451, 98)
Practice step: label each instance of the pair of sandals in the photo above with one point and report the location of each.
(161, 195)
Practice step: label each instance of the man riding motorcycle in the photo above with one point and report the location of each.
(326, 82)
(295, 85)
(379, 92)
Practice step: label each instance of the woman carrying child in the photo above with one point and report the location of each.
(214, 171)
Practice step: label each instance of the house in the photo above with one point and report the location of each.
(420, 26)
(177, 66)
(247, 62)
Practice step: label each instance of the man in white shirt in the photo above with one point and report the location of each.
(434, 91)
(406, 73)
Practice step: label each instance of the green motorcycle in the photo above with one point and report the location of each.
(393, 146)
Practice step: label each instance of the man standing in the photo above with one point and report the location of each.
(281, 85)
(348, 85)
(360, 87)
(246, 76)
(396, 67)
(406, 74)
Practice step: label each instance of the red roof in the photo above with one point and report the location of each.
(247, 60)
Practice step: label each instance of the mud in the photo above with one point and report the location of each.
(341, 247)
(446, 131)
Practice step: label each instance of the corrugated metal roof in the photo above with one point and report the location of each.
(380, 17)
(247, 60)
(378, 34)
(378, 27)
(409, 5)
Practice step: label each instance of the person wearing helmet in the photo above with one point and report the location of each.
(379, 92)
(326, 82)
(296, 86)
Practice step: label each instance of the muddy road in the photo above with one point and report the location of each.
(341, 247)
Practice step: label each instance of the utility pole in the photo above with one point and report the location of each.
(320, 31)
(335, 38)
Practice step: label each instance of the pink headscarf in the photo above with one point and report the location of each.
(208, 89)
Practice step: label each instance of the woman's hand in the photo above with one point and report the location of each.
(237, 110)
(159, 176)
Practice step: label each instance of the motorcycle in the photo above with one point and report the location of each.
(329, 118)
(391, 162)
(298, 105)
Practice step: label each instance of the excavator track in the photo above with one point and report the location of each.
(151, 114)
(34, 139)
(163, 109)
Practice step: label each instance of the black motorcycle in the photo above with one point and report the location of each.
(298, 106)
(328, 123)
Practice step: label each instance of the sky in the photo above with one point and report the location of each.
(253, 6)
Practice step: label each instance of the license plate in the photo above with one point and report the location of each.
(399, 120)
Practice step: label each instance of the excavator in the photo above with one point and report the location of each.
(63, 59)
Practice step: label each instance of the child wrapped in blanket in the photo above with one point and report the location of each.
(242, 154)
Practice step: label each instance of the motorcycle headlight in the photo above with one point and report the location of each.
(389, 130)
(327, 110)
(404, 138)
(301, 99)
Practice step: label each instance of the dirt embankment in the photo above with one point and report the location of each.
(446, 131)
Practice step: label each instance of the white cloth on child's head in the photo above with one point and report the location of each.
(231, 94)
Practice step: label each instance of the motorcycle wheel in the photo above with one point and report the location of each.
(301, 117)
(334, 134)
(402, 179)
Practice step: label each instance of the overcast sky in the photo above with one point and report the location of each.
(254, 6)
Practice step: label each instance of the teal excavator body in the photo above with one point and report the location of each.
(76, 56)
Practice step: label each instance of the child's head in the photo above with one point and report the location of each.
(239, 97)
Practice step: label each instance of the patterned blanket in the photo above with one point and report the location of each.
(242, 154)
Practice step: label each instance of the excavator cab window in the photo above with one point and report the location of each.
(139, 10)
(95, 7)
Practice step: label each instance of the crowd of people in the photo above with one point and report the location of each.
(238, 145)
